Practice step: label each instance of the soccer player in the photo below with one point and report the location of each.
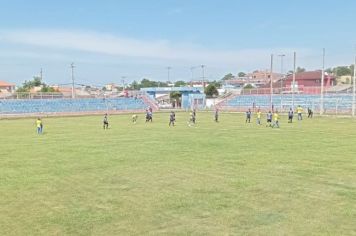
(172, 118)
(300, 111)
(134, 118)
(290, 115)
(191, 119)
(310, 113)
(269, 119)
(248, 116)
(216, 115)
(148, 116)
(259, 113)
(194, 115)
(106, 122)
(276, 119)
(39, 126)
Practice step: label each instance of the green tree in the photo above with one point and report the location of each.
(342, 70)
(217, 84)
(134, 85)
(180, 83)
(28, 85)
(47, 89)
(211, 90)
(228, 77)
(175, 95)
(300, 69)
(248, 86)
(175, 98)
(329, 70)
(241, 74)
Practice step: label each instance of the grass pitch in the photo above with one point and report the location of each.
(227, 178)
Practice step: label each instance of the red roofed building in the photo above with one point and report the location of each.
(310, 79)
(7, 86)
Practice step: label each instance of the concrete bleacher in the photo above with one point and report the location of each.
(332, 102)
(70, 105)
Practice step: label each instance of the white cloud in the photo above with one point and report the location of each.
(160, 50)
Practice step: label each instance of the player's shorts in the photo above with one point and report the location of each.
(269, 120)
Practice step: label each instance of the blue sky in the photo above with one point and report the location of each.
(110, 39)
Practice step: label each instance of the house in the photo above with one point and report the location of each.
(198, 84)
(111, 87)
(260, 77)
(7, 87)
(308, 82)
(345, 79)
(310, 79)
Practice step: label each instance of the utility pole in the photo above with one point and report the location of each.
(281, 56)
(354, 89)
(41, 75)
(271, 82)
(168, 73)
(322, 85)
(293, 83)
(203, 74)
(72, 68)
(123, 82)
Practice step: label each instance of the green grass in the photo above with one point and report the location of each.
(229, 178)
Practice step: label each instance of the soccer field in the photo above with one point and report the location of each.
(226, 178)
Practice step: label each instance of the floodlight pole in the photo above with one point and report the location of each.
(271, 82)
(203, 75)
(281, 56)
(293, 83)
(72, 69)
(322, 85)
(354, 90)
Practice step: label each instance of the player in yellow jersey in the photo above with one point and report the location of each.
(300, 111)
(259, 113)
(275, 119)
(39, 126)
(134, 118)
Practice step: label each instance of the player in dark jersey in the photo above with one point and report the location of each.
(269, 119)
(290, 115)
(216, 115)
(310, 113)
(106, 122)
(172, 118)
(194, 116)
(248, 116)
(148, 116)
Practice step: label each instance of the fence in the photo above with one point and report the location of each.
(336, 100)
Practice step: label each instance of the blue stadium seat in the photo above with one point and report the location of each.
(331, 101)
(69, 105)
